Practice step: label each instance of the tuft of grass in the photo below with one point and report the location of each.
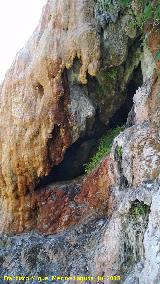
(104, 148)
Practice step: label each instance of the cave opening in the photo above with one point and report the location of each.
(121, 115)
(80, 152)
(73, 163)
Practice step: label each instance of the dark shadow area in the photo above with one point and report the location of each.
(73, 163)
(121, 115)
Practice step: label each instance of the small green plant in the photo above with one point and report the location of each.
(143, 17)
(125, 3)
(104, 148)
(147, 12)
(111, 74)
(157, 12)
(139, 209)
(119, 152)
(150, 12)
(157, 55)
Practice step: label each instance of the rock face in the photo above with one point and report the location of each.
(74, 80)
(45, 106)
(36, 120)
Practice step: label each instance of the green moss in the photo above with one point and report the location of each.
(104, 148)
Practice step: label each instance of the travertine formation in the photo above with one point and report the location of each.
(74, 80)
(36, 120)
(45, 106)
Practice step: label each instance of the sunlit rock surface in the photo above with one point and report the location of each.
(74, 80)
(36, 122)
(47, 101)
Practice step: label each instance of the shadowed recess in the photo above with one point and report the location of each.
(121, 114)
(79, 153)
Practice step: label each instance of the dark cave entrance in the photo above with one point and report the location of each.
(79, 153)
(121, 115)
(72, 165)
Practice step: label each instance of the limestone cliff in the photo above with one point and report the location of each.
(83, 72)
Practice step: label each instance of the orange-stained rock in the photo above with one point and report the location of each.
(36, 118)
(56, 207)
(95, 187)
(44, 109)
(44, 103)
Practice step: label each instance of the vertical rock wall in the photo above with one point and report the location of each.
(105, 223)
(46, 103)
(35, 120)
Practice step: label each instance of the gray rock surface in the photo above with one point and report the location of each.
(98, 247)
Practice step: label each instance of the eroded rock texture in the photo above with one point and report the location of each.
(49, 98)
(82, 72)
(36, 121)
